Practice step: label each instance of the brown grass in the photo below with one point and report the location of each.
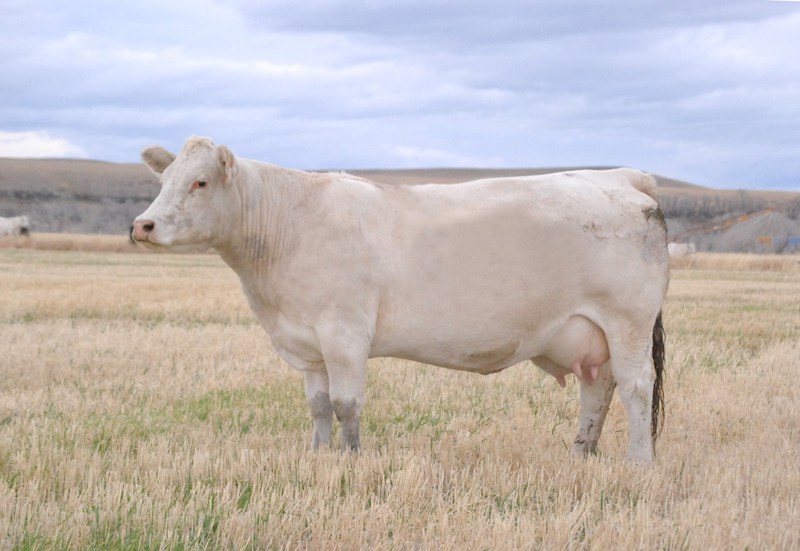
(739, 262)
(71, 242)
(141, 407)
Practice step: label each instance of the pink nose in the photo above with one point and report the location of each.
(141, 229)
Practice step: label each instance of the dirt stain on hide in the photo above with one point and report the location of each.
(654, 239)
(658, 214)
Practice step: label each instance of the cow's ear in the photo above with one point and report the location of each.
(157, 158)
(227, 163)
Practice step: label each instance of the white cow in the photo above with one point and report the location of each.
(680, 250)
(568, 270)
(17, 225)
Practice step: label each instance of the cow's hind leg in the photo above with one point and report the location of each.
(635, 376)
(595, 401)
(319, 401)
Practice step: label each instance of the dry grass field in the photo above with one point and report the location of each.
(71, 242)
(141, 407)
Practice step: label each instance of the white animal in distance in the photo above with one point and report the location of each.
(681, 250)
(567, 270)
(16, 225)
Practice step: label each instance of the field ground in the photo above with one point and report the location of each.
(141, 407)
(72, 242)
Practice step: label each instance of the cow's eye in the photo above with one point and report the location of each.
(199, 183)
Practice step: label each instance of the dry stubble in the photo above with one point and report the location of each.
(141, 407)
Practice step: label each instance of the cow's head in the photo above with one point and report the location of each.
(197, 200)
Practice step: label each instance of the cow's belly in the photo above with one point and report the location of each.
(464, 352)
(566, 342)
(488, 343)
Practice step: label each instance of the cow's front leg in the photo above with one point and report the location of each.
(347, 399)
(346, 362)
(319, 401)
(348, 412)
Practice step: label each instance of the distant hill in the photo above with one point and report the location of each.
(79, 196)
(75, 196)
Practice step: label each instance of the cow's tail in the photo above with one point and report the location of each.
(659, 337)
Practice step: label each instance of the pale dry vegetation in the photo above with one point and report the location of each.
(71, 242)
(141, 407)
(739, 262)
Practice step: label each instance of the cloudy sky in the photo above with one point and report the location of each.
(702, 90)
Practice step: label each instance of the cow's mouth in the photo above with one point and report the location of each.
(145, 241)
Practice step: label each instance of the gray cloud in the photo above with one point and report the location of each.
(457, 22)
(702, 91)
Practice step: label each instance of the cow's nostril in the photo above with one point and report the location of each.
(141, 229)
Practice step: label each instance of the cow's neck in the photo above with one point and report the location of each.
(264, 232)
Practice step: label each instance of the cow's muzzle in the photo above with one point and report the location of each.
(141, 230)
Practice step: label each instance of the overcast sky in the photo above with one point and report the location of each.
(705, 91)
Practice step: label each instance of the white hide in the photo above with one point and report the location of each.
(17, 225)
(568, 270)
(680, 250)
